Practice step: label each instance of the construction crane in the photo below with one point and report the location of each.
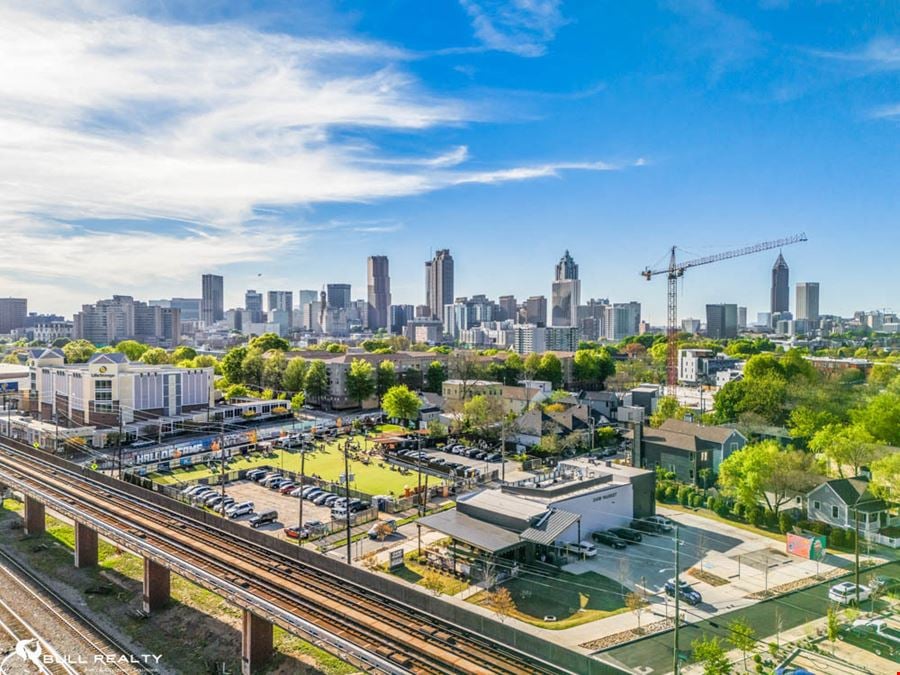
(675, 270)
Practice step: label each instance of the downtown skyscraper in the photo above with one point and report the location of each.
(566, 293)
(439, 283)
(781, 289)
(212, 301)
(379, 292)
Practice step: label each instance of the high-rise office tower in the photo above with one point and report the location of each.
(622, 320)
(282, 303)
(338, 296)
(253, 303)
(12, 314)
(536, 310)
(509, 308)
(212, 301)
(781, 289)
(566, 292)
(742, 318)
(807, 301)
(439, 282)
(721, 321)
(307, 296)
(379, 287)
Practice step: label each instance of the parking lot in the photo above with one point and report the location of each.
(738, 562)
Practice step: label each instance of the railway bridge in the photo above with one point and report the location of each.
(373, 622)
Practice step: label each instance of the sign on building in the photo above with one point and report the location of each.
(811, 547)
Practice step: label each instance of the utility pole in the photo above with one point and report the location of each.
(677, 601)
(222, 472)
(419, 468)
(119, 444)
(347, 496)
(856, 545)
(302, 474)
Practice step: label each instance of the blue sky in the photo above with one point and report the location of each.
(145, 143)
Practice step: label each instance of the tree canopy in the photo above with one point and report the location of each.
(401, 403)
(78, 351)
(268, 341)
(360, 380)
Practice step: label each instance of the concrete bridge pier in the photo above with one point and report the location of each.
(35, 516)
(85, 546)
(256, 644)
(156, 586)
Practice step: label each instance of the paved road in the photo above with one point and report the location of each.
(654, 654)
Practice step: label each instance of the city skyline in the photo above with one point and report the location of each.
(505, 133)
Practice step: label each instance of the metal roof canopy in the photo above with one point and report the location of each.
(471, 531)
(550, 526)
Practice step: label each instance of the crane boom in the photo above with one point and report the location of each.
(676, 269)
(679, 268)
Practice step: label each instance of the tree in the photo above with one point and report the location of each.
(294, 375)
(269, 341)
(482, 414)
(274, 366)
(532, 365)
(465, 367)
(668, 408)
(315, 386)
(882, 374)
(592, 367)
(132, 349)
(78, 351)
(252, 368)
(236, 391)
(551, 370)
(231, 364)
(637, 603)
(763, 471)
(886, 477)
(436, 430)
(433, 581)
(400, 403)
(712, 655)
(360, 380)
(155, 356)
(742, 636)
(501, 602)
(845, 446)
(832, 625)
(881, 415)
(297, 401)
(434, 377)
(183, 353)
(385, 377)
(204, 361)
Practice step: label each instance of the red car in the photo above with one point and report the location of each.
(287, 487)
(296, 533)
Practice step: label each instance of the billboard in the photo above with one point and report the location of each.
(811, 547)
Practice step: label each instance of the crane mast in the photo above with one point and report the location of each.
(675, 270)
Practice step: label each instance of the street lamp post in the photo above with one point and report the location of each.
(593, 423)
(675, 660)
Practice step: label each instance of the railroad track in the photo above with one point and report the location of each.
(406, 639)
(77, 623)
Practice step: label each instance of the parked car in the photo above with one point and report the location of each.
(844, 593)
(320, 499)
(296, 532)
(268, 480)
(582, 548)
(609, 539)
(297, 491)
(308, 489)
(263, 518)
(313, 494)
(331, 499)
(686, 591)
(289, 486)
(661, 523)
(359, 506)
(253, 474)
(494, 457)
(643, 526)
(238, 510)
(315, 527)
(626, 534)
(882, 584)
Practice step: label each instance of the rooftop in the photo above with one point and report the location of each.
(501, 502)
(469, 530)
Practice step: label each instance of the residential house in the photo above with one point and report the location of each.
(687, 448)
(836, 502)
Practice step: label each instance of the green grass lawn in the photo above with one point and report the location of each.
(327, 464)
(572, 599)
(414, 573)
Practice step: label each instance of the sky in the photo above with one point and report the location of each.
(143, 143)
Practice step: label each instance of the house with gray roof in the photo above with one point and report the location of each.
(840, 501)
(687, 448)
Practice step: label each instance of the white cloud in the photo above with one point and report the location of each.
(111, 117)
(521, 27)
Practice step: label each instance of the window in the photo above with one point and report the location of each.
(835, 512)
(817, 506)
(704, 456)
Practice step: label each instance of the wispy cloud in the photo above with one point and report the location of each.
(878, 54)
(110, 117)
(521, 27)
